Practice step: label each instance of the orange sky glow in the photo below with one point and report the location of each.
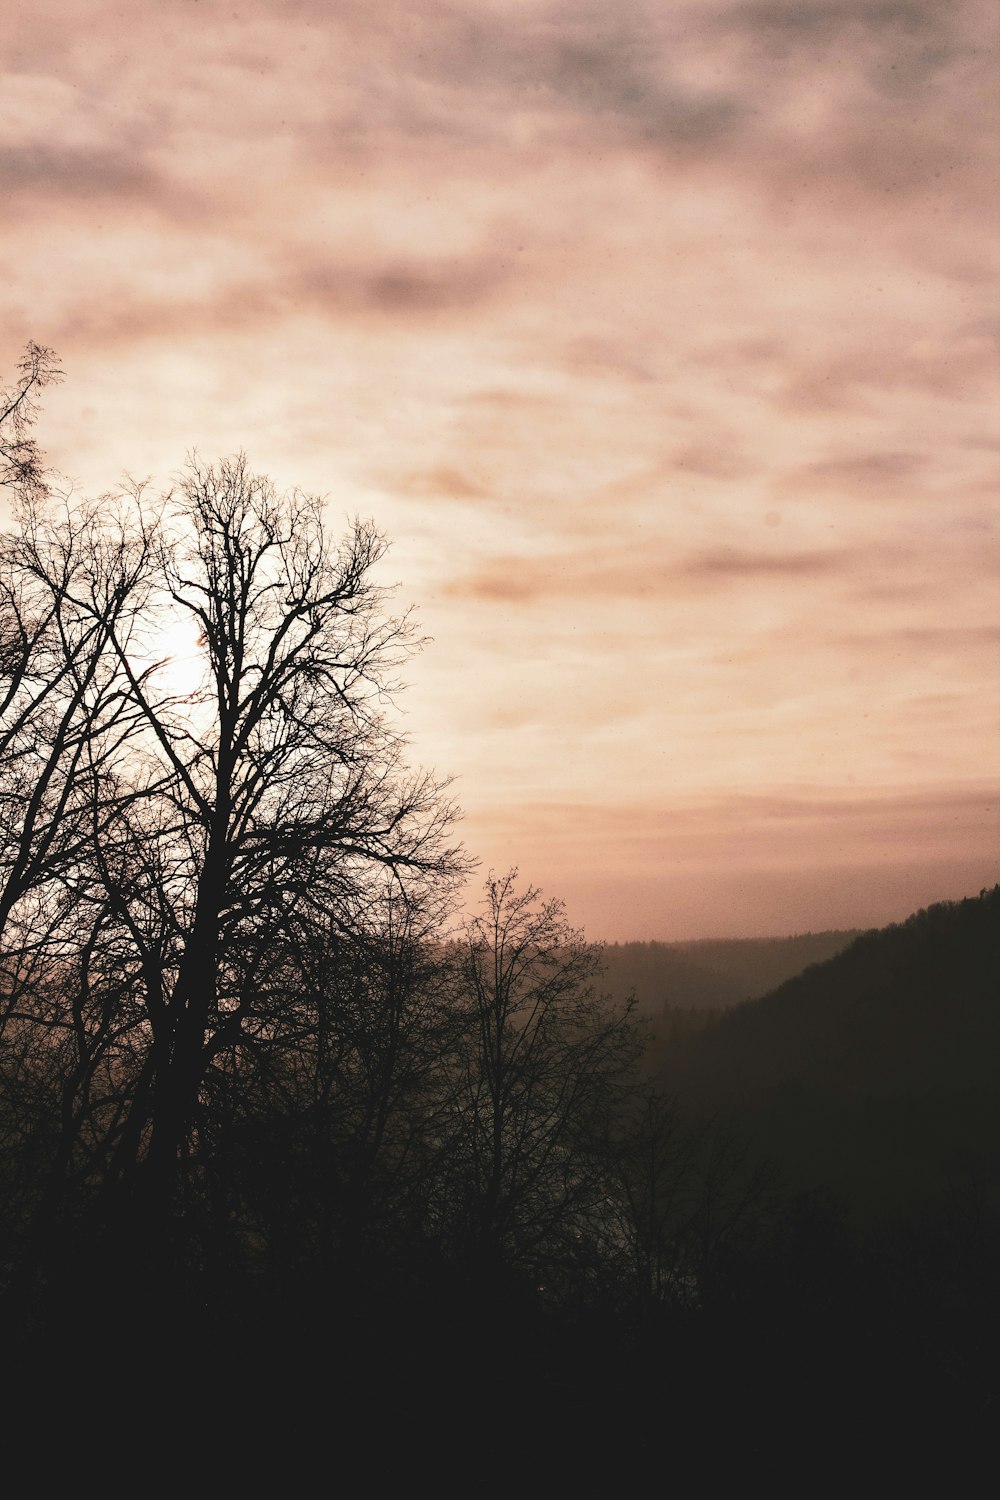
(660, 339)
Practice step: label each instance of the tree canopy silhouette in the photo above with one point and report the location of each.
(174, 853)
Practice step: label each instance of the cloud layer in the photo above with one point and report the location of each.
(662, 340)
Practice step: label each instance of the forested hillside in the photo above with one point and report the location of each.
(712, 974)
(875, 1072)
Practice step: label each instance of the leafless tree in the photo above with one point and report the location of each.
(72, 580)
(270, 796)
(174, 851)
(332, 1135)
(21, 463)
(545, 1058)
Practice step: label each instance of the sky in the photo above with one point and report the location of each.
(661, 340)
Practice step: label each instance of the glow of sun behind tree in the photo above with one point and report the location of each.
(174, 656)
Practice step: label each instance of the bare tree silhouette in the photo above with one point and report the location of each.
(174, 853)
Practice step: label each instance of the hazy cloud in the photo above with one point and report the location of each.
(866, 475)
(442, 484)
(729, 563)
(627, 574)
(403, 288)
(73, 173)
(659, 338)
(883, 856)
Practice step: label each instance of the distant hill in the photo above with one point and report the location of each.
(876, 1073)
(712, 974)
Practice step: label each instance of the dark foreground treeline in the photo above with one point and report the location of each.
(478, 1206)
(295, 1174)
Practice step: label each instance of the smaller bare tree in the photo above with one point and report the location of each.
(21, 463)
(545, 1057)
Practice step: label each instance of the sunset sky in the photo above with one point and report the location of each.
(660, 338)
